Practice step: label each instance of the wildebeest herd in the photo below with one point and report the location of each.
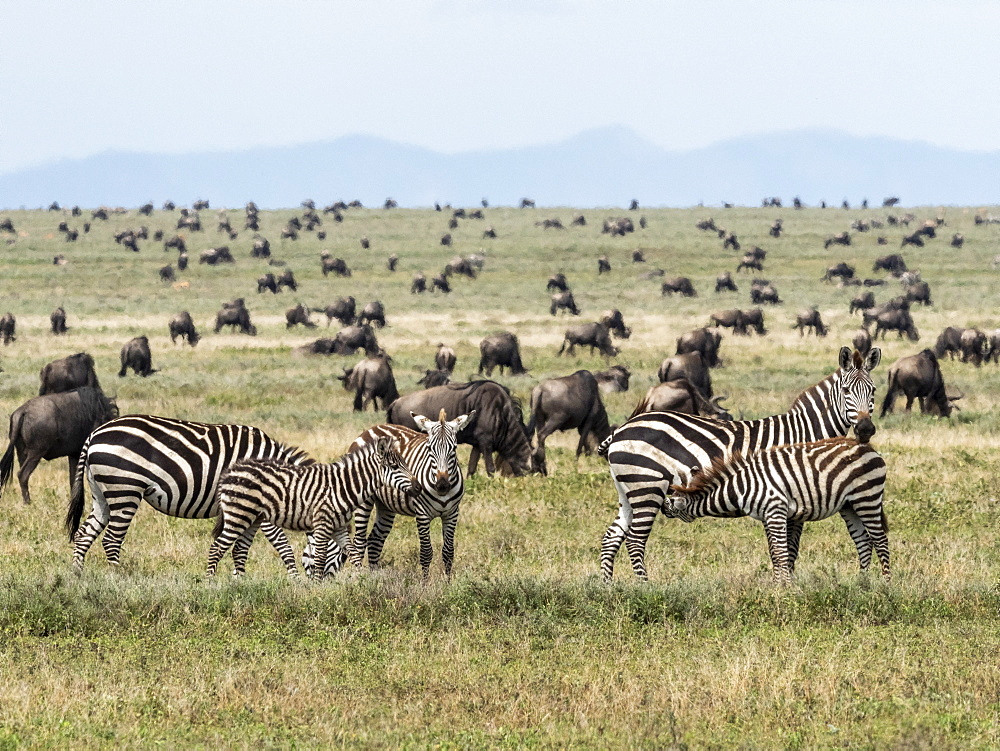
(487, 415)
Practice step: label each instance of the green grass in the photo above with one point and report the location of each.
(525, 646)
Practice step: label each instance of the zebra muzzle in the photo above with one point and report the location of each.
(443, 482)
(864, 429)
(414, 490)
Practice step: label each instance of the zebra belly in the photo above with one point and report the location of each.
(429, 504)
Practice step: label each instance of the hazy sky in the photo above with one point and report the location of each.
(78, 78)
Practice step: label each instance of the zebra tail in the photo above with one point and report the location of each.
(219, 524)
(602, 449)
(76, 496)
(7, 462)
(885, 521)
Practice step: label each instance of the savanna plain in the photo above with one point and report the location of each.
(524, 646)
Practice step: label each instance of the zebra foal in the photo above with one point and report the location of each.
(786, 486)
(317, 498)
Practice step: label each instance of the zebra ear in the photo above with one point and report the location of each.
(422, 422)
(382, 446)
(462, 420)
(873, 359)
(845, 357)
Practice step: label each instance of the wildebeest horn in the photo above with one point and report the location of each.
(718, 400)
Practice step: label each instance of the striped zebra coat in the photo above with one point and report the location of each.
(786, 486)
(652, 451)
(173, 465)
(318, 498)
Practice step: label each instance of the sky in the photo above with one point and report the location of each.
(78, 79)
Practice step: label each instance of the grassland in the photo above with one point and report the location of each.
(525, 646)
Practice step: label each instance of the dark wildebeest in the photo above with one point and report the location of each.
(352, 338)
(319, 347)
(550, 224)
(57, 319)
(373, 313)
(691, 366)
(730, 319)
(446, 239)
(287, 279)
(527, 203)
(390, 262)
(810, 319)
(440, 282)
(52, 426)
(614, 380)
(919, 292)
(750, 263)
(182, 325)
(261, 247)
(490, 233)
(215, 256)
(432, 378)
(500, 350)
(182, 261)
(776, 228)
(679, 395)
(957, 240)
(974, 346)
(842, 239)
(563, 301)
(8, 328)
(372, 382)
(579, 221)
(593, 335)
(638, 256)
(706, 225)
(136, 355)
(419, 284)
(731, 241)
(461, 267)
(336, 266)
(899, 321)
(167, 273)
(725, 281)
(342, 309)
(949, 342)
(67, 374)
(766, 294)
(863, 301)
(919, 377)
(573, 401)
(993, 346)
(266, 283)
(701, 340)
(841, 270)
(298, 315)
(603, 265)
(557, 282)
(237, 317)
(862, 342)
(893, 263)
(498, 425)
(444, 358)
(913, 238)
(681, 285)
(616, 323)
(754, 319)
(175, 241)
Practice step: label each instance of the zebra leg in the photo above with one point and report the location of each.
(776, 529)
(241, 549)
(426, 549)
(359, 546)
(615, 534)
(96, 523)
(875, 523)
(856, 529)
(279, 540)
(233, 527)
(122, 513)
(384, 518)
(643, 515)
(321, 541)
(339, 546)
(449, 522)
(794, 533)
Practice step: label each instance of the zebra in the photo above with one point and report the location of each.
(652, 451)
(316, 498)
(174, 465)
(786, 486)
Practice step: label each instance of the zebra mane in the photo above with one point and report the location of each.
(821, 390)
(708, 479)
(294, 455)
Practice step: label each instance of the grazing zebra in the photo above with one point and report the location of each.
(786, 486)
(174, 465)
(652, 451)
(317, 498)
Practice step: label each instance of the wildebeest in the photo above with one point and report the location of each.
(444, 358)
(267, 283)
(731, 241)
(563, 301)
(862, 301)
(750, 263)
(289, 232)
(919, 377)
(57, 320)
(840, 270)
(490, 233)
(500, 350)
(419, 284)
(298, 315)
(690, 365)
(461, 267)
(603, 265)
(550, 224)
(681, 285)
(899, 321)
(765, 294)
(724, 281)
(322, 346)
(342, 309)
(579, 221)
(336, 266)
(701, 340)
(680, 395)
(372, 314)
(957, 240)
(167, 273)
(498, 425)
(616, 323)
(810, 319)
(287, 279)
(52, 426)
(390, 262)
(614, 380)
(914, 238)
(919, 292)
(432, 378)
(638, 256)
(446, 239)
(974, 346)
(182, 325)
(893, 263)
(617, 227)
(593, 335)
(215, 256)
(776, 228)
(261, 247)
(706, 225)
(565, 403)
(372, 382)
(135, 354)
(8, 328)
(842, 239)
(182, 261)
(440, 282)
(69, 373)
(730, 319)
(238, 317)
(862, 342)
(949, 342)
(754, 319)
(352, 338)
(557, 282)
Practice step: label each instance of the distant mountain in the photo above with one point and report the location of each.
(602, 167)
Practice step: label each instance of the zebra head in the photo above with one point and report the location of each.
(392, 469)
(442, 438)
(854, 394)
(678, 506)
